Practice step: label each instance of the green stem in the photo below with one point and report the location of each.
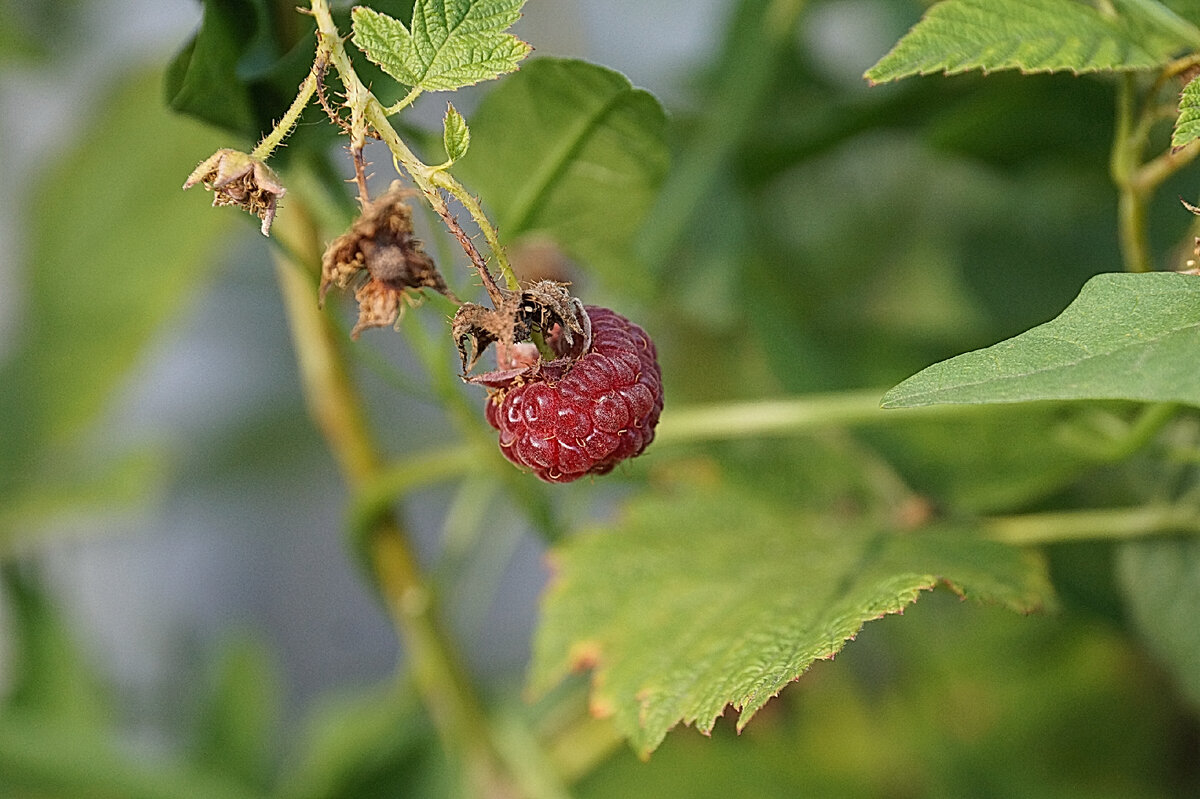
(792, 416)
(288, 121)
(366, 108)
(1088, 525)
(1123, 165)
(337, 408)
(408, 100)
(490, 234)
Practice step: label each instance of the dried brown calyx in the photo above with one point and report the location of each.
(236, 178)
(546, 310)
(381, 251)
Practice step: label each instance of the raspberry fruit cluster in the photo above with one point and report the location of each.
(600, 411)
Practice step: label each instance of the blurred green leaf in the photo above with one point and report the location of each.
(44, 758)
(79, 486)
(50, 677)
(1036, 36)
(237, 723)
(116, 250)
(451, 44)
(1161, 583)
(570, 151)
(990, 463)
(1125, 337)
(374, 744)
(707, 598)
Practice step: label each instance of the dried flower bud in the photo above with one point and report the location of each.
(380, 249)
(236, 178)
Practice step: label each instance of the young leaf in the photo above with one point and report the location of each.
(1129, 337)
(711, 599)
(451, 43)
(573, 152)
(1187, 125)
(1035, 36)
(456, 136)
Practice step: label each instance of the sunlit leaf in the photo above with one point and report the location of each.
(1035, 36)
(1126, 336)
(707, 599)
(450, 43)
(456, 136)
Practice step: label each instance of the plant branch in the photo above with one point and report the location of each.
(337, 408)
(288, 121)
(1124, 162)
(792, 416)
(366, 110)
(1090, 525)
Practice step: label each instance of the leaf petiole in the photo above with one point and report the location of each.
(407, 100)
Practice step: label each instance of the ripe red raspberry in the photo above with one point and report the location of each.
(599, 412)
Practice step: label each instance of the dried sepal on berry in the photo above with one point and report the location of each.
(546, 308)
(381, 251)
(236, 178)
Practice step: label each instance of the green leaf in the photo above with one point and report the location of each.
(1035, 36)
(203, 78)
(707, 598)
(49, 677)
(115, 250)
(1129, 337)
(1161, 583)
(237, 722)
(451, 43)
(1187, 125)
(572, 152)
(375, 742)
(456, 136)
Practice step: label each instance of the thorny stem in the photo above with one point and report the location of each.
(366, 110)
(288, 121)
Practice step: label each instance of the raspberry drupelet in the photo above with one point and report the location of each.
(600, 411)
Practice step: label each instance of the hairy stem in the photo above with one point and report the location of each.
(367, 110)
(288, 121)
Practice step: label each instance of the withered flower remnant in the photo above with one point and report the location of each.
(236, 178)
(381, 250)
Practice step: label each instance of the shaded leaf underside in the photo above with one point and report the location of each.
(1126, 336)
(701, 601)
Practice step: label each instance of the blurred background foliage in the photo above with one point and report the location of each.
(179, 615)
